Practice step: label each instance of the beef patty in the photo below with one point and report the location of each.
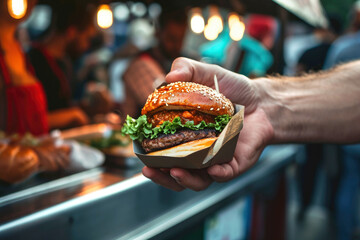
(170, 140)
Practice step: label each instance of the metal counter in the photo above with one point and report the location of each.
(113, 203)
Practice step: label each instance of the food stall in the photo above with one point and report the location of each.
(111, 199)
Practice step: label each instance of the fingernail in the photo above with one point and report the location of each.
(176, 178)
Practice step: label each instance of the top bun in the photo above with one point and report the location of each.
(188, 95)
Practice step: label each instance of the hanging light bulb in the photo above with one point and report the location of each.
(233, 17)
(237, 30)
(215, 20)
(104, 16)
(210, 32)
(17, 8)
(197, 21)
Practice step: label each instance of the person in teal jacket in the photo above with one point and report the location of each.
(247, 56)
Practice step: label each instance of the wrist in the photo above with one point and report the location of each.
(278, 100)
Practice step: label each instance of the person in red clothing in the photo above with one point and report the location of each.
(22, 100)
(23, 103)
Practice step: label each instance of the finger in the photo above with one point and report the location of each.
(223, 172)
(187, 70)
(181, 70)
(162, 178)
(194, 180)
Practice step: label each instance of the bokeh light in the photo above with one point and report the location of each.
(237, 30)
(210, 32)
(17, 8)
(138, 9)
(121, 12)
(233, 17)
(216, 22)
(197, 23)
(104, 16)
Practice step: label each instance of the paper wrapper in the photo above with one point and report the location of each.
(221, 151)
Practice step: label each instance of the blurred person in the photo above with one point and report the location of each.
(300, 37)
(346, 49)
(118, 66)
(355, 17)
(262, 28)
(140, 38)
(92, 88)
(148, 69)
(71, 28)
(277, 110)
(347, 198)
(251, 55)
(315, 164)
(313, 59)
(22, 99)
(94, 61)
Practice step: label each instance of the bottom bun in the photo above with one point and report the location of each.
(185, 149)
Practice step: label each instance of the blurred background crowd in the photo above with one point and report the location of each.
(100, 57)
(94, 58)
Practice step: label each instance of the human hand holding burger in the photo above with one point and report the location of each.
(256, 134)
(318, 107)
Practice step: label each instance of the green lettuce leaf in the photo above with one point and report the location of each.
(138, 129)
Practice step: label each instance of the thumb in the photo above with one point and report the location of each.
(187, 70)
(182, 70)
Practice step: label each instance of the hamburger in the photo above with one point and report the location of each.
(180, 114)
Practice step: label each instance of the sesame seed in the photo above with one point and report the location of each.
(198, 106)
(211, 109)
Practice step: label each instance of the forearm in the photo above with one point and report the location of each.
(322, 107)
(66, 118)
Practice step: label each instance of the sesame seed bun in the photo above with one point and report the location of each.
(185, 96)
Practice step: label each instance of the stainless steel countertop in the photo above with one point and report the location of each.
(109, 202)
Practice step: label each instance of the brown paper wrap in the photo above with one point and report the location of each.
(221, 151)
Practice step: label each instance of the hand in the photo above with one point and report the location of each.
(52, 157)
(67, 118)
(79, 117)
(256, 134)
